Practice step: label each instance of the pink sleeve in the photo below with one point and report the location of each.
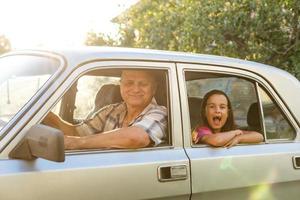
(202, 131)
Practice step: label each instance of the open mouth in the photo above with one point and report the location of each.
(217, 119)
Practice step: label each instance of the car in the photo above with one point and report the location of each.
(71, 82)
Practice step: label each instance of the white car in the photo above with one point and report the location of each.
(70, 83)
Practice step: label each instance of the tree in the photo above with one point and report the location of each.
(266, 31)
(99, 39)
(259, 30)
(4, 44)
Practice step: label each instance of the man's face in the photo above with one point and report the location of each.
(137, 88)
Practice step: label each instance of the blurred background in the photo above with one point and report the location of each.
(265, 31)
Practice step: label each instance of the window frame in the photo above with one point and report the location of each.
(240, 73)
(82, 70)
(230, 80)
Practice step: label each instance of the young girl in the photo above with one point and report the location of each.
(218, 128)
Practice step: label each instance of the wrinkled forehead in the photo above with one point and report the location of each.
(138, 75)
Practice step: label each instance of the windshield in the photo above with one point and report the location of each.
(20, 78)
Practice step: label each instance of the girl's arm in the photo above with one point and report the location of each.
(220, 139)
(246, 137)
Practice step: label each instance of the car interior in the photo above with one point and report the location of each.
(110, 93)
(253, 118)
(194, 109)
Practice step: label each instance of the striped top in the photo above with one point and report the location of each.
(153, 120)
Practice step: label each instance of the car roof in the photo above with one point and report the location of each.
(88, 53)
(275, 76)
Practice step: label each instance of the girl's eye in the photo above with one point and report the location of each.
(223, 106)
(211, 106)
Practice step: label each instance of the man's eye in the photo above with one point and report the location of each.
(143, 84)
(128, 83)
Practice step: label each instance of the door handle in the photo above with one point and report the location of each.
(172, 172)
(296, 162)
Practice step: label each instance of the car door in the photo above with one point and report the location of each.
(149, 173)
(257, 171)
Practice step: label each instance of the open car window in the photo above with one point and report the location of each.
(88, 97)
(254, 109)
(241, 93)
(21, 78)
(99, 88)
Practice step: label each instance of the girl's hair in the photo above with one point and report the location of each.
(229, 124)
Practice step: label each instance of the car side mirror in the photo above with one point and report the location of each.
(41, 142)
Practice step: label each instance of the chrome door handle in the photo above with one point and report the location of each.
(172, 172)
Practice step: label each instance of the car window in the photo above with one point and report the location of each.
(241, 93)
(276, 124)
(88, 87)
(21, 77)
(251, 112)
(97, 89)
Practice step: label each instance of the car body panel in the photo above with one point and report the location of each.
(109, 175)
(245, 171)
(255, 170)
(111, 167)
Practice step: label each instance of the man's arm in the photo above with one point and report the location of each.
(56, 122)
(130, 137)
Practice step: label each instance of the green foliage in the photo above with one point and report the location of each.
(4, 44)
(99, 39)
(266, 31)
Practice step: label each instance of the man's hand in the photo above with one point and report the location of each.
(56, 122)
(51, 120)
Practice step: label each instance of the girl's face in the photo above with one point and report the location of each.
(216, 111)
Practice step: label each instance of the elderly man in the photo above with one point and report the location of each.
(137, 122)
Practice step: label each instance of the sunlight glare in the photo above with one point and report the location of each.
(57, 22)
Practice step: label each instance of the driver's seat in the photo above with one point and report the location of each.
(107, 94)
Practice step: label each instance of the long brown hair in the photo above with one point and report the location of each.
(229, 124)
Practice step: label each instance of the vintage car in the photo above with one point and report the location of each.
(75, 83)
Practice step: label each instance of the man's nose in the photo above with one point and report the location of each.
(136, 87)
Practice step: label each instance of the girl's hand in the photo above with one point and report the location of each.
(234, 141)
(195, 137)
(238, 132)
